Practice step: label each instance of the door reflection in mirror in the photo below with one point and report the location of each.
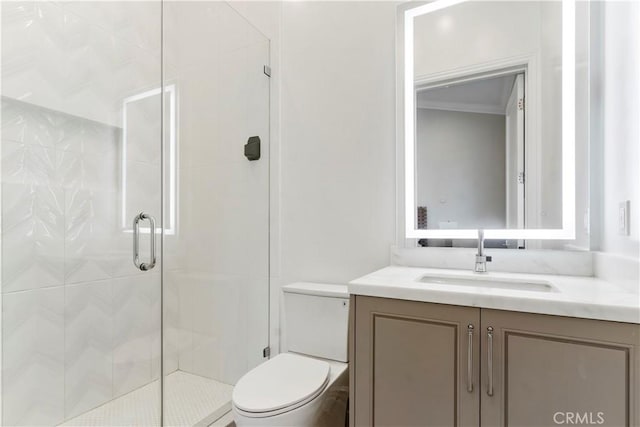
(472, 135)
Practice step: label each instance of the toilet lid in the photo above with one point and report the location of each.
(281, 382)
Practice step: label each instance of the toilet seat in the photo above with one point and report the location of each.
(286, 382)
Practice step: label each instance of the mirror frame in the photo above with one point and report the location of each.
(406, 123)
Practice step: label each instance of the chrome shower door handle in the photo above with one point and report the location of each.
(144, 266)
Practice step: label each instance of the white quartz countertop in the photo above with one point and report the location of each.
(573, 296)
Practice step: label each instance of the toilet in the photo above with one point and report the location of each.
(307, 385)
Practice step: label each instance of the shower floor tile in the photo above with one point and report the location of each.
(191, 400)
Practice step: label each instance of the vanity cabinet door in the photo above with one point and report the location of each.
(551, 370)
(411, 364)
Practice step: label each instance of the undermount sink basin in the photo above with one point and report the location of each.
(490, 282)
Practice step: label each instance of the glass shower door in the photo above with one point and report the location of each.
(100, 154)
(81, 158)
(216, 259)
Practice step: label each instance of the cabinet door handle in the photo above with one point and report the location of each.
(470, 358)
(490, 361)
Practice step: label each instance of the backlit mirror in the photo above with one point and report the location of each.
(489, 120)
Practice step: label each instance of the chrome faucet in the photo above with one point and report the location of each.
(481, 258)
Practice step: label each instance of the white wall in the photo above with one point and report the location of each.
(338, 139)
(338, 109)
(621, 89)
(475, 33)
(461, 173)
(621, 124)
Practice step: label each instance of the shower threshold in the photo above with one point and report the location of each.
(190, 400)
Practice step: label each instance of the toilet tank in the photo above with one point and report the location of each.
(317, 319)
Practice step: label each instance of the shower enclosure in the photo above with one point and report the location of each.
(135, 231)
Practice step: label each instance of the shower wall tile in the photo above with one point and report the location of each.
(89, 234)
(32, 236)
(67, 152)
(219, 327)
(33, 357)
(73, 134)
(233, 72)
(30, 124)
(156, 327)
(122, 256)
(70, 169)
(23, 123)
(14, 162)
(99, 171)
(143, 130)
(185, 338)
(175, 251)
(242, 209)
(185, 355)
(132, 332)
(206, 346)
(99, 68)
(207, 356)
(256, 292)
(141, 178)
(171, 299)
(88, 170)
(29, 164)
(88, 346)
(132, 22)
(180, 50)
(77, 315)
(85, 136)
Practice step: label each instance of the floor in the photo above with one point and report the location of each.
(225, 421)
(191, 400)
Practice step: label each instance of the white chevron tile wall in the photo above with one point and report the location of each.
(64, 255)
(58, 58)
(80, 324)
(33, 357)
(32, 236)
(133, 333)
(88, 346)
(89, 234)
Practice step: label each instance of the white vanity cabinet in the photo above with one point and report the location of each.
(421, 364)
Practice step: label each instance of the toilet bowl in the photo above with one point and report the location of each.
(292, 390)
(307, 386)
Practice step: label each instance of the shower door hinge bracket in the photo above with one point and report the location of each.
(266, 352)
(267, 71)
